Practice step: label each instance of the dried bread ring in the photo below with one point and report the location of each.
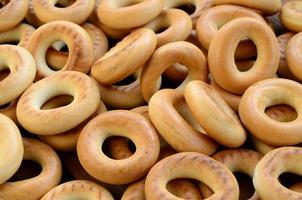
(271, 166)
(167, 55)
(129, 124)
(291, 15)
(128, 13)
(185, 165)
(12, 13)
(76, 38)
(225, 126)
(22, 72)
(78, 12)
(57, 59)
(176, 23)
(221, 60)
(11, 148)
(216, 17)
(293, 55)
(268, 93)
(55, 121)
(20, 33)
(268, 7)
(36, 187)
(170, 115)
(125, 58)
(78, 189)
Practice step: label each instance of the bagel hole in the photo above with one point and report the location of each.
(281, 113)
(27, 170)
(246, 186)
(64, 3)
(5, 106)
(174, 76)
(126, 81)
(287, 179)
(57, 102)
(118, 153)
(188, 8)
(160, 29)
(57, 55)
(127, 3)
(245, 61)
(3, 3)
(4, 73)
(180, 186)
(11, 42)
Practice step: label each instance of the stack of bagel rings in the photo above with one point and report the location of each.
(150, 99)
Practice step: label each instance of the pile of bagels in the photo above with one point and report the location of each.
(150, 99)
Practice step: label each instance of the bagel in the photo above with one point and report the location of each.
(12, 13)
(174, 52)
(20, 34)
(22, 72)
(270, 167)
(58, 120)
(291, 15)
(128, 13)
(78, 189)
(225, 126)
(78, 41)
(11, 148)
(171, 117)
(36, 187)
(267, 93)
(267, 7)
(221, 60)
(78, 12)
(190, 165)
(125, 58)
(293, 55)
(57, 59)
(216, 17)
(176, 23)
(129, 124)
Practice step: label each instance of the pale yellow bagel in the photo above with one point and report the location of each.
(128, 13)
(36, 187)
(268, 7)
(57, 59)
(221, 60)
(268, 93)
(118, 123)
(20, 34)
(271, 166)
(167, 55)
(78, 12)
(224, 126)
(55, 121)
(12, 13)
(175, 123)
(78, 189)
(125, 58)
(177, 24)
(22, 72)
(11, 148)
(76, 38)
(190, 165)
